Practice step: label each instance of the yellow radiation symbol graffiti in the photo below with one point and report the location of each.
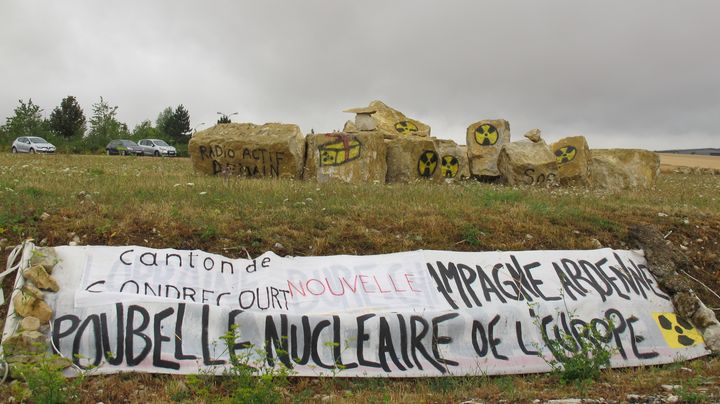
(565, 154)
(404, 127)
(486, 135)
(344, 149)
(677, 332)
(449, 166)
(427, 163)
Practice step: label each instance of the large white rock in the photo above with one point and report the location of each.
(574, 160)
(484, 141)
(617, 169)
(245, 149)
(348, 157)
(412, 158)
(454, 163)
(528, 163)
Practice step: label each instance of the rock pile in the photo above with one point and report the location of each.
(665, 261)
(29, 341)
(384, 145)
(393, 123)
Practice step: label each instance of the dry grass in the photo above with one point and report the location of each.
(163, 203)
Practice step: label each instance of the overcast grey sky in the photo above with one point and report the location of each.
(623, 73)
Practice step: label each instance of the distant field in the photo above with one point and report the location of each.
(162, 202)
(689, 160)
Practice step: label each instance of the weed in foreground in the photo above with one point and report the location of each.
(251, 381)
(45, 382)
(579, 358)
(471, 235)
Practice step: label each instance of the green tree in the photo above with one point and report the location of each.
(162, 123)
(104, 127)
(175, 124)
(27, 121)
(104, 123)
(181, 127)
(68, 120)
(224, 119)
(145, 130)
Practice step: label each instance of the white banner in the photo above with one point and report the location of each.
(421, 313)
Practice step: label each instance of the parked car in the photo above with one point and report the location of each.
(32, 144)
(157, 147)
(124, 147)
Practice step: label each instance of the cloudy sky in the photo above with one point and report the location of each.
(623, 73)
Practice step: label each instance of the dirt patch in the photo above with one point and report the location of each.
(669, 161)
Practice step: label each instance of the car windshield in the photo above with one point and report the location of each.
(128, 143)
(160, 143)
(37, 140)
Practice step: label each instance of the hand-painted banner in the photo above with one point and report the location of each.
(420, 313)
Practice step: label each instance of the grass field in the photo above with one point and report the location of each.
(162, 203)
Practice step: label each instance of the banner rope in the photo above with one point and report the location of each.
(11, 266)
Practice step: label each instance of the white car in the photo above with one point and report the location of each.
(156, 147)
(32, 144)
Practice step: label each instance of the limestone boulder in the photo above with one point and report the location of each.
(484, 140)
(27, 305)
(574, 160)
(348, 157)
(363, 118)
(244, 149)
(44, 256)
(533, 135)
(30, 324)
(413, 158)
(25, 342)
(617, 169)
(527, 163)
(393, 123)
(454, 164)
(39, 276)
(350, 127)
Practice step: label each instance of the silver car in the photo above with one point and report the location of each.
(32, 144)
(156, 147)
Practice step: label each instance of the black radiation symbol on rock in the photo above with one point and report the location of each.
(565, 154)
(449, 166)
(427, 163)
(680, 329)
(486, 135)
(405, 127)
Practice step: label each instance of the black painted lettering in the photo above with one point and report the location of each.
(149, 259)
(438, 339)
(179, 355)
(95, 321)
(492, 341)
(132, 331)
(314, 345)
(113, 357)
(416, 344)
(362, 337)
(122, 256)
(159, 338)
(277, 341)
(386, 347)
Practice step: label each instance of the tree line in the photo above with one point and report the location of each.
(71, 132)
